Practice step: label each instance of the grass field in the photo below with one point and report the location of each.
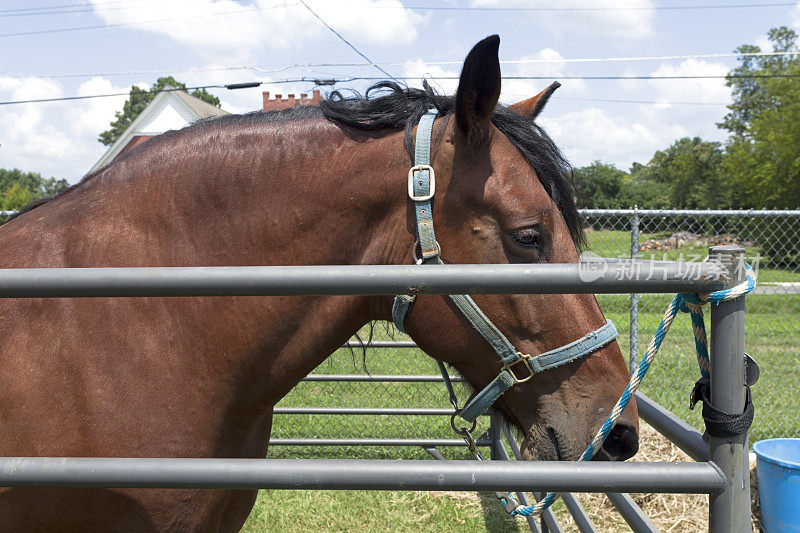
(773, 325)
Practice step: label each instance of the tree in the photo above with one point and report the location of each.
(762, 155)
(598, 185)
(32, 182)
(752, 94)
(15, 197)
(139, 99)
(691, 170)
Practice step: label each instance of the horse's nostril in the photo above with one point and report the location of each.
(622, 443)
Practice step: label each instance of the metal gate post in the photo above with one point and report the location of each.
(729, 511)
(634, 320)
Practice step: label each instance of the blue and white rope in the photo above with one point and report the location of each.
(691, 303)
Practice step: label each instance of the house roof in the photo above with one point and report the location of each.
(169, 110)
(202, 108)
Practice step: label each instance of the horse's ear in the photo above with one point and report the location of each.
(478, 90)
(531, 107)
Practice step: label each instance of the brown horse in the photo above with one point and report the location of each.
(198, 377)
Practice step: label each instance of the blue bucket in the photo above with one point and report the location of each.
(778, 469)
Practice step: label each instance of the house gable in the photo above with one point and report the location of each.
(169, 110)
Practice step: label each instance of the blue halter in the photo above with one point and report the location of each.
(421, 188)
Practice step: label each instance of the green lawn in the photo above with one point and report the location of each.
(614, 243)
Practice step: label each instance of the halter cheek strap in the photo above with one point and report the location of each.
(421, 188)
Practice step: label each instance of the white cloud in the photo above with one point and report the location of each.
(547, 63)
(226, 30)
(633, 132)
(695, 90)
(612, 20)
(418, 70)
(763, 42)
(56, 138)
(591, 134)
(795, 16)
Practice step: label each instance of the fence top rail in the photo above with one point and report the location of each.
(360, 474)
(694, 212)
(596, 276)
(665, 212)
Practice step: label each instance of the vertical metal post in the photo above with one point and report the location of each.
(634, 321)
(729, 511)
(495, 435)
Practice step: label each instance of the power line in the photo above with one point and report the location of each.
(333, 81)
(645, 77)
(591, 9)
(230, 86)
(274, 68)
(77, 8)
(61, 6)
(82, 8)
(124, 24)
(73, 8)
(652, 102)
(348, 43)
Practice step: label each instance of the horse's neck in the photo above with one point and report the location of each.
(265, 199)
(309, 198)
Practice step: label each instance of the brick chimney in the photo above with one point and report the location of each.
(278, 103)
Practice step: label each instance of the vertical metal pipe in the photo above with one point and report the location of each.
(502, 455)
(632, 513)
(634, 319)
(582, 520)
(729, 511)
(496, 435)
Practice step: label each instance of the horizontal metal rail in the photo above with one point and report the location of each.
(382, 411)
(381, 344)
(676, 430)
(599, 276)
(692, 212)
(360, 474)
(384, 378)
(425, 443)
(661, 212)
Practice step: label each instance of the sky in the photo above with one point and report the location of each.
(63, 48)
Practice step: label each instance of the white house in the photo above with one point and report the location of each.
(169, 110)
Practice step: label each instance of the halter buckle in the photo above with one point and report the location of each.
(523, 358)
(432, 176)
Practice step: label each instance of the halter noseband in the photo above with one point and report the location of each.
(421, 188)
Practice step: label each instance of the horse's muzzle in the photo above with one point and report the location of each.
(621, 444)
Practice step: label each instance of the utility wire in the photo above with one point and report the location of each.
(48, 10)
(123, 24)
(591, 9)
(652, 102)
(231, 86)
(32, 11)
(348, 43)
(88, 8)
(644, 77)
(333, 81)
(66, 6)
(275, 68)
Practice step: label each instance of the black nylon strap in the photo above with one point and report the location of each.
(719, 423)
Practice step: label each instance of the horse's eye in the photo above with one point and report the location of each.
(527, 238)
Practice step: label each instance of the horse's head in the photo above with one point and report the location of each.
(503, 195)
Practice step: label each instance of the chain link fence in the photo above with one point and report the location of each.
(772, 240)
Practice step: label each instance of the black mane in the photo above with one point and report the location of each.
(398, 108)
